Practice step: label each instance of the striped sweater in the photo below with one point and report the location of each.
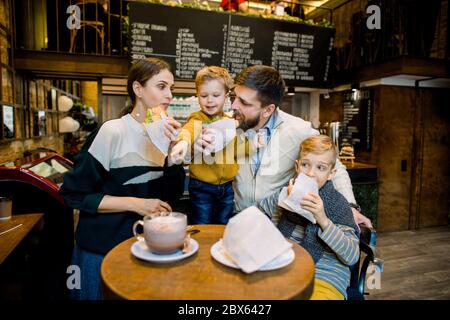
(342, 250)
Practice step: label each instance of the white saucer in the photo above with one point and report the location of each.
(140, 250)
(217, 251)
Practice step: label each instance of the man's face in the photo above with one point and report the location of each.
(247, 108)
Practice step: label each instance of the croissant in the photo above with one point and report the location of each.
(154, 114)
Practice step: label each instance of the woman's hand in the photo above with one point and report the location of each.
(141, 206)
(313, 203)
(172, 128)
(146, 207)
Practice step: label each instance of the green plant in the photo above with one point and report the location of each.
(205, 6)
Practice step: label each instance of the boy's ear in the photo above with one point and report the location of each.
(297, 166)
(332, 173)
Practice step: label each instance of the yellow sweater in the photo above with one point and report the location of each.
(223, 169)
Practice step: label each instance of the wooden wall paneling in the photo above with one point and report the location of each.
(434, 200)
(416, 158)
(392, 143)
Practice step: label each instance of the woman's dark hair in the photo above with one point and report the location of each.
(141, 71)
(266, 80)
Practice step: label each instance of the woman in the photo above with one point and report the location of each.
(118, 176)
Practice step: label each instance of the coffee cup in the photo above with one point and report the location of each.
(5, 208)
(164, 233)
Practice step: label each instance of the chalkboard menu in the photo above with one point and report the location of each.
(190, 39)
(357, 119)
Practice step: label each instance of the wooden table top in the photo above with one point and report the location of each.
(9, 240)
(200, 277)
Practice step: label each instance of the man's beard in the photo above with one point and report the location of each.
(244, 123)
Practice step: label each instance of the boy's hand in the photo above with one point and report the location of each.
(290, 186)
(259, 141)
(313, 203)
(211, 134)
(178, 152)
(205, 141)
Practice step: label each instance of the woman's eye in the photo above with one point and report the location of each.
(321, 168)
(304, 165)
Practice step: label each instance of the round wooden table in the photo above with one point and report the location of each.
(200, 277)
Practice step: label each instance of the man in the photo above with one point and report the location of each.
(236, 5)
(258, 93)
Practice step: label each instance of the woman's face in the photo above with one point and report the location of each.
(157, 91)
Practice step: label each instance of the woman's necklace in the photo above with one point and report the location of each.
(139, 113)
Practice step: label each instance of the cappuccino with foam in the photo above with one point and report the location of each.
(163, 233)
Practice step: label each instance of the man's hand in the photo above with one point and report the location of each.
(361, 219)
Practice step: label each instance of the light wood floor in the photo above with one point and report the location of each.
(416, 264)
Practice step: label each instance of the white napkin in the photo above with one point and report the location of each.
(155, 131)
(224, 132)
(252, 240)
(302, 186)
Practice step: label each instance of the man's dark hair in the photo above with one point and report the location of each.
(266, 80)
